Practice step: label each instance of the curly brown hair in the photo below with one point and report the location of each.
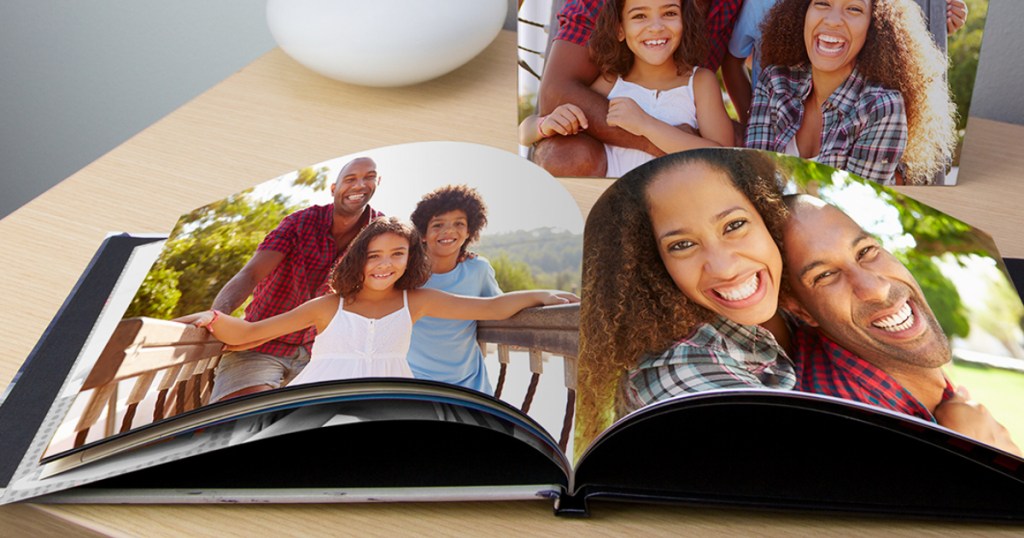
(613, 57)
(898, 54)
(451, 198)
(631, 307)
(347, 275)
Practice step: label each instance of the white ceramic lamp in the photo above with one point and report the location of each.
(391, 43)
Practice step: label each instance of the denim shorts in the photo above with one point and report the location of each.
(241, 369)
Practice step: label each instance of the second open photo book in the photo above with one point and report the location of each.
(880, 88)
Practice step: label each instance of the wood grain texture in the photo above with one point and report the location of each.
(274, 116)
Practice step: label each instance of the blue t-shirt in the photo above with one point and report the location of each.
(746, 35)
(446, 349)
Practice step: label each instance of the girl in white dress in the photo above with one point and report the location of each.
(647, 52)
(364, 325)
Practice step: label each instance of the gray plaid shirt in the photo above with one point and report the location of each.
(864, 126)
(717, 355)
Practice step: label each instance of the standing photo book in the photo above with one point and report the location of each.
(592, 83)
(119, 401)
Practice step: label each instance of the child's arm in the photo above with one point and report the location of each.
(438, 304)
(715, 125)
(565, 120)
(238, 332)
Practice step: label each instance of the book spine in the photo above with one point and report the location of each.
(572, 505)
(25, 405)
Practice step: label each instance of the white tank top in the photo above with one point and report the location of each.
(353, 346)
(674, 106)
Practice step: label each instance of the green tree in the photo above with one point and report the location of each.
(934, 233)
(963, 51)
(512, 275)
(939, 291)
(314, 178)
(158, 294)
(208, 246)
(1002, 315)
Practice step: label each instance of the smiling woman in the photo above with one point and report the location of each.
(863, 91)
(682, 273)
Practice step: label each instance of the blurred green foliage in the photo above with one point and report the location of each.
(963, 49)
(512, 275)
(553, 257)
(208, 246)
(935, 234)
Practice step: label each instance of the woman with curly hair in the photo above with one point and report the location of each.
(364, 325)
(648, 52)
(681, 278)
(449, 219)
(863, 91)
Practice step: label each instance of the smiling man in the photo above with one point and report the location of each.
(290, 267)
(876, 340)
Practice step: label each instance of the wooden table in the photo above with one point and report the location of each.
(275, 116)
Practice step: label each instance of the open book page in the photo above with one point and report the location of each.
(900, 56)
(271, 408)
(501, 223)
(699, 275)
(387, 405)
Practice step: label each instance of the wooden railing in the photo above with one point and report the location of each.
(549, 329)
(183, 358)
(142, 349)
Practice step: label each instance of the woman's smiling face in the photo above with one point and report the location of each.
(714, 244)
(834, 33)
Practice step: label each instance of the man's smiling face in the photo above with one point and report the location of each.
(354, 187)
(858, 293)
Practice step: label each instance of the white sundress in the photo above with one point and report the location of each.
(353, 346)
(674, 107)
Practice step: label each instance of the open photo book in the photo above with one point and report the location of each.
(501, 384)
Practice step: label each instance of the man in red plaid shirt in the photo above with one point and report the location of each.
(290, 267)
(873, 337)
(569, 72)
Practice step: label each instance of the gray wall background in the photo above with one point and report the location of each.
(79, 78)
(997, 90)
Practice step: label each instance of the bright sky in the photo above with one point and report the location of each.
(519, 195)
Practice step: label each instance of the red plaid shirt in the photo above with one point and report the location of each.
(577, 17)
(827, 368)
(305, 238)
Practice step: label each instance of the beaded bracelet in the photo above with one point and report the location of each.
(209, 326)
(540, 121)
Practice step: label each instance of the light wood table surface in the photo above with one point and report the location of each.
(274, 116)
